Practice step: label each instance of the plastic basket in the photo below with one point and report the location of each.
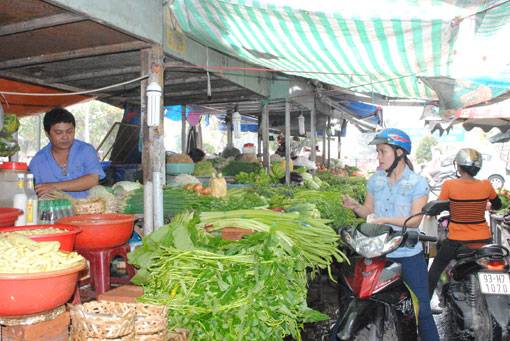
(179, 168)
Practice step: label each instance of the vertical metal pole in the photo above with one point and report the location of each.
(265, 136)
(38, 133)
(183, 129)
(87, 122)
(324, 145)
(313, 132)
(229, 131)
(158, 146)
(328, 131)
(287, 141)
(148, 204)
(259, 137)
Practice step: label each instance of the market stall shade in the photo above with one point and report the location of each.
(23, 105)
(380, 54)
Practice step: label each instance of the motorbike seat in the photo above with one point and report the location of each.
(481, 250)
(468, 250)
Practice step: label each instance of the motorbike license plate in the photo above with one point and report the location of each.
(494, 283)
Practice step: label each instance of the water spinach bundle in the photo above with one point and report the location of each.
(252, 289)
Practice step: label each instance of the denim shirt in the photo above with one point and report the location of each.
(82, 160)
(396, 200)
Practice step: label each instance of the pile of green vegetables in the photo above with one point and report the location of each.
(176, 201)
(253, 289)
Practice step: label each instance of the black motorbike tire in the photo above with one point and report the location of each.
(368, 333)
(492, 331)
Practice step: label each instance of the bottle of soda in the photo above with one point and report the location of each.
(43, 206)
(50, 218)
(70, 208)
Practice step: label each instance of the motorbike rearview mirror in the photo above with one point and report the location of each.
(435, 207)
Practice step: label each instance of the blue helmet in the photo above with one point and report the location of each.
(395, 137)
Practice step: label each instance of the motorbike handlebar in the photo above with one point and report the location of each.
(425, 238)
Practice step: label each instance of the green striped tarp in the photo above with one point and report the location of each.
(369, 46)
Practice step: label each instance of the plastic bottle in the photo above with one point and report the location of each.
(32, 201)
(50, 213)
(57, 210)
(43, 212)
(20, 201)
(69, 208)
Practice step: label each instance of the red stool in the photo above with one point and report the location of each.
(100, 260)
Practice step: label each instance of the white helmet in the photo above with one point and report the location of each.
(468, 157)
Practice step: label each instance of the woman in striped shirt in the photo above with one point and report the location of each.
(468, 202)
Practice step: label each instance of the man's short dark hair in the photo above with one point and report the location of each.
(57, 115)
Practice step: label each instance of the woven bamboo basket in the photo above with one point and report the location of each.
(79, 337)
(150, 319)
(160, 336)
(89, 206)
(103, 320)
(165, 335)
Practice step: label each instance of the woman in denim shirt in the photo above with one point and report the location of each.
(394, 194)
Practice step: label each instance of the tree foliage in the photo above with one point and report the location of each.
(101, 117)
(423, 151)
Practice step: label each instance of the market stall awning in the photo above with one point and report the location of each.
(23, 105)
(380, 46)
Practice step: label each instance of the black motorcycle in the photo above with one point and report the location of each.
(475, 288)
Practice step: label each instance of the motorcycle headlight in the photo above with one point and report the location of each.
(373, 246)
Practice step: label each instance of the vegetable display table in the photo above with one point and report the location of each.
(100, 260)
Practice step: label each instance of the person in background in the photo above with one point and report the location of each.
(65, 163)
(468, 202)
(393, 194)
(433, 166)
(196, 155)
(280, 150)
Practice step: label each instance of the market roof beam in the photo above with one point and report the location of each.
(87, 52)
(38, 23)
(23, 78)
(96, 74)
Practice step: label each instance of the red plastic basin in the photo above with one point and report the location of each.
(8, 216)
(25, 294)
(101, 231)
(66, 238)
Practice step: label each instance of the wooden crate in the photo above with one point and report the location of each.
(124, 293)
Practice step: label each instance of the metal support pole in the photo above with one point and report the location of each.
(313, 132)
(328, 131)
(265, 136)
(153, 160)
(287, 141)
(183, 129)
(38, 134)
(229, 131)
(324, 146)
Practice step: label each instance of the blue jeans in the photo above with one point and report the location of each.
(415, 275)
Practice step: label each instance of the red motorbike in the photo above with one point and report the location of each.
(375, 303)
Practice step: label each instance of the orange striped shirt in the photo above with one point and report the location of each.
(468, 201)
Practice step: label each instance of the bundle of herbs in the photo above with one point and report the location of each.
(314, 241)
(252, 289)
